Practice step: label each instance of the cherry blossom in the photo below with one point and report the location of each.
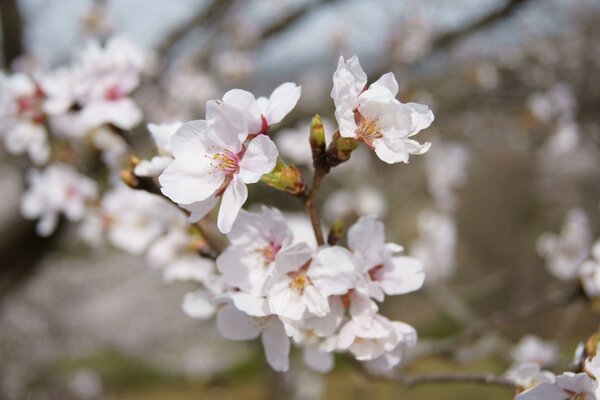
(383, 272)
(161, 134)
(303, 281)
(263, 112)
(589, 273)
(237, 325)
(212, 161)
(57, 189)
(374, 116)
(256, 239)
(565, 252)
(22, 117)
(532, 349)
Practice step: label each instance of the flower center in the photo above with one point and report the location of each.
(225, 162)
(268, 252)
(114, 94)
(298, 282)
(374, 273)
(367, 131)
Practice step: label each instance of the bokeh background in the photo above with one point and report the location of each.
(515, 88)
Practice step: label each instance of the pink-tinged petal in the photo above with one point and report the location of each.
(236, 266)
(199, 209)
(347, 335)
(124, 114)
(259, 159)
(283, 100)
(402, 275)
(255, 306)
(349, 80)
(153, 167)
(198, 305)
(422, 117)
(285, 301)
(292, 258)
(387, 81)
(366, 239)
(186, 181)
(227, 127)
(315, 301)
(389, 155)
(234, 198)
(543, 391)
(362, 308)
(333, 271)
(191, 140)
(407, 335)
(233, 324)
(327, 325)
(47, 224)
(245, 102)
(276, 345)
(315, 359)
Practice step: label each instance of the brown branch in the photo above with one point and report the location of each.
(310, 204)
(501, 318)
(411, 381)
(446, 40)
(209, 14)
(12, 31)
(284, 22)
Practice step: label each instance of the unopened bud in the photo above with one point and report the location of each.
(286, 178)
(335, 232)
(591, 345)
(340, 149)
(317, 134)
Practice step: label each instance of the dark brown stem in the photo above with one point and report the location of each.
(12, 31)
(310, 204)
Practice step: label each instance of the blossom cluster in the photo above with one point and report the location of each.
(535, 383)
(269, 282)
(571, 255)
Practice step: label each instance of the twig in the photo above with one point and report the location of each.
(210, 13)
(501, 318)
(311, 208)
(437, 377)
(284, 22)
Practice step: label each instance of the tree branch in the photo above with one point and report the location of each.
(284, 22)
(410, 381)
(311, 208)
(12, 31)
(501, 318)
(209, 14)
(446, 40)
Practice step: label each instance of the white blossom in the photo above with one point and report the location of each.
(532, 349)
(211, 161)
(303, 281)
(589, 273)
(263, 112)
(384, 272)
(22, 117)
(565, 252)
(255, 239)
(374, 116)
(57, 189)
(435, 245)
(161, 134)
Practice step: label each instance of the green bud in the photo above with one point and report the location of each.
(335, 232)
(340, 149)
(317, 134)
(286, 178)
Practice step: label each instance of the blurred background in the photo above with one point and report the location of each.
(515, 89)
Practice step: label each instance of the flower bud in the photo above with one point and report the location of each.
(335, 232)
(286, 178)
(340, 149)
(317, 138)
